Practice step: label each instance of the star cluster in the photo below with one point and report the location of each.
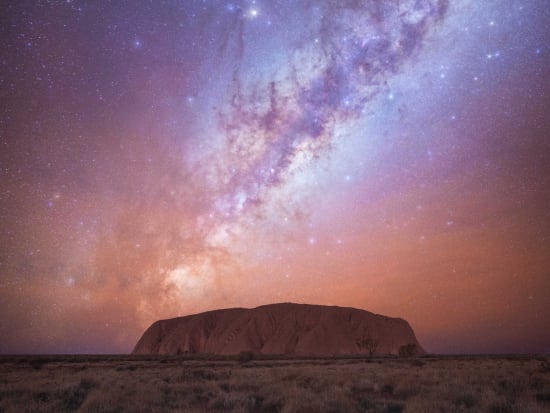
(166, 158)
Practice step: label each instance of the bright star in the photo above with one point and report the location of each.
(252, 13)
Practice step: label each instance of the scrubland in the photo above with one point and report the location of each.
(203, 384)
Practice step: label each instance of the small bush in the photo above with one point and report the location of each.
(545, 366)
(358, 392)
(337, 406)
(38, 363)
(501, 408)
(204, 374)
(255, 403)
(74, 396)
(408, 350)
(130, 368)
(465, 400)
(290, 377)
(417, 363)
(222, 403)
(364, 405)
(509, 389)
(536, 383)
(245, 356)
(42, 397)
(272, 406)
(394, 408)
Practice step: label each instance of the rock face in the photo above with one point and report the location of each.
(293, 329)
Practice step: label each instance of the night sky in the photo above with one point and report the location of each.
(163, 158)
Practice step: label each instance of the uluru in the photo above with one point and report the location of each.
(284, 328)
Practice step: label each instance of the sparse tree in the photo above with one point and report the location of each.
(372, 346)
(369, 343)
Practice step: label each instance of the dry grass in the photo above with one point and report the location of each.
(141, 384)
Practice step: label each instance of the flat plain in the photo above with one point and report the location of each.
(496, 384)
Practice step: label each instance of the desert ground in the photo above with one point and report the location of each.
(269, 384)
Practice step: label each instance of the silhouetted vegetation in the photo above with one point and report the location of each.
(245, 356)
(370, 344)
(408, 350)
(256, 383)
(545, 366)
(74, 396)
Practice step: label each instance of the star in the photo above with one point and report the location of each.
(252, 13)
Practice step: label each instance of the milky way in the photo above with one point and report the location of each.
(166, 158)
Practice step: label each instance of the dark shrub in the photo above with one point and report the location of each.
(42, 396)
(501, 408)
(394, 408)
(255, 403)
(465, 400)
(510, 389)
(222, 403)
(408, 350)
(38, 363)
(204, 374)
(364, 405)
(545, 366)
(74, 396)
(245, 356)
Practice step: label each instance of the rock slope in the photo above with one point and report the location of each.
(286, 328)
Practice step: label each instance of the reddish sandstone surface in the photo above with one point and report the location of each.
(286, 328)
